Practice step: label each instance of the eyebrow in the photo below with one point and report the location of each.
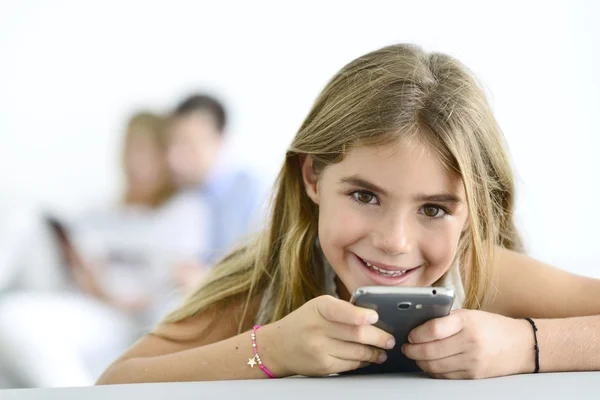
(439, 198)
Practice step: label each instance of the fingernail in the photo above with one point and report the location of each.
(390, 344)
(372, 318)
(409, 339)
(382, 357)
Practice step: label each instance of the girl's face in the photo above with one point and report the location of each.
(387, 217)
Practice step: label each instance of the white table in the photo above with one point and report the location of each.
(579, 385)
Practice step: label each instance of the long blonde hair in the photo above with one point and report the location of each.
(384, 97)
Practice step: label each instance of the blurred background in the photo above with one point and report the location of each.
(96, 200)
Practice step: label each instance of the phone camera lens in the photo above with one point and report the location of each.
(403, 306)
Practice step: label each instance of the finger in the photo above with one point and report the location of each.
(336, 310)
(434, 350)
(356, 352)
(436, 329)
(363, 334)
(345, 365)
(444, 365)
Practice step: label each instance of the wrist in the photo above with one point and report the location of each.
(526, 356)
(270, 350)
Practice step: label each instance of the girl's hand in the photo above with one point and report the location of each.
(324, 336)
(471, 344)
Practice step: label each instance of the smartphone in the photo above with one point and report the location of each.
(58, 229)
(401, 309)
(70, 255)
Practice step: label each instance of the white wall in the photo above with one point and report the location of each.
(70, 72)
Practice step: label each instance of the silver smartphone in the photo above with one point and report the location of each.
(401, 309)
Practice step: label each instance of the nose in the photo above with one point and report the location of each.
(393, 236)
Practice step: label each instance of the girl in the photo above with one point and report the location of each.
(398, 176)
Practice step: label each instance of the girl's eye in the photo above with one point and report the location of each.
(432, 211)
(364, 197)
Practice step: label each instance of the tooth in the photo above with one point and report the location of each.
(384, 271)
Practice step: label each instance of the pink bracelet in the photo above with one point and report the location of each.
(256, 359)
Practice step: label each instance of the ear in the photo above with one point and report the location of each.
(310, 178)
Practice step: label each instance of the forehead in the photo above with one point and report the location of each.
(407, 169)
(140, 136)
(194, 122)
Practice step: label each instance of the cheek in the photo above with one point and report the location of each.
(340, 223)
(204, 148)
(151, 159)
(439, 249)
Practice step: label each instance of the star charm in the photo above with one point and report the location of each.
(251, 362)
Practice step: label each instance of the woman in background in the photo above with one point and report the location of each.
(127, 246)
(149, 182)
(117, 272)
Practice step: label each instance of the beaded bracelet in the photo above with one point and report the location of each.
(256, 359)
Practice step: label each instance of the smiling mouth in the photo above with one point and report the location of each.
(383, 271)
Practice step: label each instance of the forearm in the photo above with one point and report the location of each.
(224, 360)
(569, 344)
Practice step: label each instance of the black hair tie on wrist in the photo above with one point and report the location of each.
(537, 347)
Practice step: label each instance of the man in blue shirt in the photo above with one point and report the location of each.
(232, 194)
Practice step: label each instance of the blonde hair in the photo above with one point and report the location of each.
(388, 96)
(151, 126)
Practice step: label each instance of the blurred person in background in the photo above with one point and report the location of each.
(150, 225)
(233, 195)
(117, 270)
